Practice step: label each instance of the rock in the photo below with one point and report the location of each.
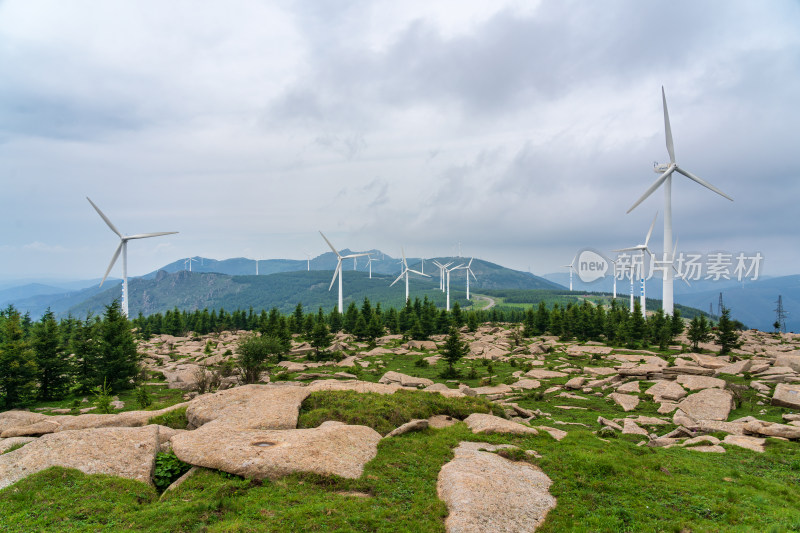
(700, 382)
(292, 366)
(626, 401)
(485, 492)
(666, 390)
(575, 383)
(708, 404)
(631, 386)
(650, 421)
(667, 407)
(608, 423)
(751, 443)
(788, 360)
(712, 426)
(526, 384)
(405, 380)
(413, 425)
(702, 438)
(708, 361)
(483, 423)
(441, 421)
(331, 449)
(348, 362)
(772, 430)
(124, 452)
(629, 427)
(599, 371)
(786, 395)
(739, 367)
(681, 419)
(707, 449)
(421, 345)
(6, 444)
(537, 373)
(557, 434)
(493, 390)
(357, 386)
(674, 371)
(249, 407)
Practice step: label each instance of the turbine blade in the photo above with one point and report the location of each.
(113, 260)
(110, 225)
(650, 231)
(147, 235)
(335, 273)
(418, 272)
(681, 277)
(702, 182)
(667, 128)
(632, 249)
(473, 274)
(653, 187)
(329, 244)
(437, 263)
(352, 256)
(398, 278)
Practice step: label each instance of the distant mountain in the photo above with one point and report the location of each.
(281, 283)
(13, 294)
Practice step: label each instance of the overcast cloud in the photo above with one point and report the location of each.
(523, 130)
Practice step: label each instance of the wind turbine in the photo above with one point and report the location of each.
(308, 266)
(338, 271)
(369, 264)
(441, 272)
(405, 272)
(641, 248)
(123, 247)
(256, 267)
(448, 270)
(571, 268)
(469, 271)
(666, 171)
(189, 260)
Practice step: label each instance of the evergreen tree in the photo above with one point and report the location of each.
(472, 321)
(50, 357)
(374, 328)
(457, 316)
(452, 352)
(726, 334)
(360, 329)
(542, 319)
(699, 331)
(636, 328)
(335, 320)
(321, 338)
(350, 318)
(297, 325)
(417, 331)
(392, 321)
(529, 324)
(118, 362)
(17, 367)
(83, 345)
(676, 324)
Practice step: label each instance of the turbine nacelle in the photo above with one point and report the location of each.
(660, 168)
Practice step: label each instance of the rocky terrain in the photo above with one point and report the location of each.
(675, 399)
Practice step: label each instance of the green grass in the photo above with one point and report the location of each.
(175, 419)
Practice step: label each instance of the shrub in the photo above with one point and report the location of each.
(143, 398)
(175, 419)
(168, 468)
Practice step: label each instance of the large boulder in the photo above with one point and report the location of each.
(405, 380)
(331, 449)
(249, 407)
(700, 382)
(537, 373)
(666, 390)
(483, 423)
(628, 402)
(486, 492)
(708, 404)
(786, 395)
(353, 385)
(125, 452)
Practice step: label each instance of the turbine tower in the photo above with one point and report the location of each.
(338, 271)
(369, 264)
(469, 271)
(123, 247)
(666, 171)
(189, 260)
(448, 270)
(641, 248)
(405, 272)
(308, 264)
(571, 268)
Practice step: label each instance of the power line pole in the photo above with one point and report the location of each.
(720, 306)
(780, 316)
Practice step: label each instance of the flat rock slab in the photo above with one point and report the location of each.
(786, 395)
(755, 444)
(6, 444)
(495, 389)
(626, 401)
(544, 374)
(355, 385)
(769, 429)
(249, 407)
(441, 421)
(412, 425)
(124, 452)
(526, 384)
(700, 382)
(483, 423)
(630, 387)
(557, 434)
(666, 390)
(405, 380)
(708, 404)
(485, 492)
(599, 370)
(331, 449)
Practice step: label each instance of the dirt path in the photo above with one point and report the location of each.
(491, 303)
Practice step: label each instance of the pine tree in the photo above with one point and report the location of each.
(699, 331)
(118, 361)
(335, 320)
(454, 349)
(83, 345)
(53, 366)
(321, 338)
(726, 334)
(374, 328)
(17, 367)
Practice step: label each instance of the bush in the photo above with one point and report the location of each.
(168, 469)
(255, 351)
(143, 398)
(174, 419)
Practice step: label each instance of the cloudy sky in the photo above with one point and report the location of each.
(522, 129)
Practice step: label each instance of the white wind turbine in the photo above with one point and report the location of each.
(308, 265)
(642, 248)
(448, 270)
(123, 248)
(571, 268)
(442, 269)
(405, 272)
(666, 171)
(189, 261)
(369, 264)
(469, 271)
(338, 271)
